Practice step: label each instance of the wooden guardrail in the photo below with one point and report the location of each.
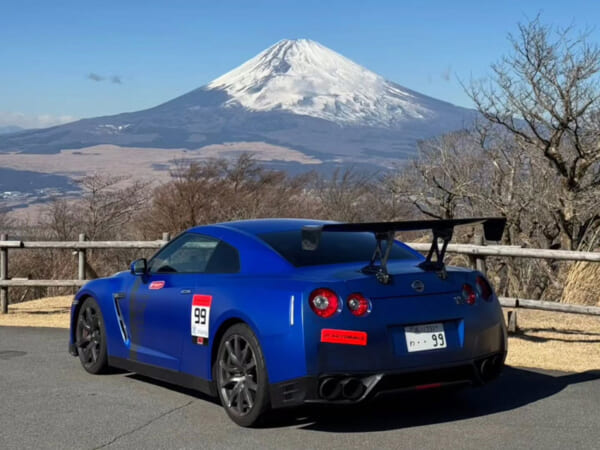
(477, 254)
(82, 267)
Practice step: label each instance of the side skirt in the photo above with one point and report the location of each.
(170, 376)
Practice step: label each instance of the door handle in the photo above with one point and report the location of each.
(185, 291)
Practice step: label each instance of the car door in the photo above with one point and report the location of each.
(159, 312)
(214, 292)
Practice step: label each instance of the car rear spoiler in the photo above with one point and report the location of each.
(442, 230)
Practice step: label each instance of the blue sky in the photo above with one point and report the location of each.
(147, 52)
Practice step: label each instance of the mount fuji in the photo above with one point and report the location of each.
(296, 103)
(305, 78)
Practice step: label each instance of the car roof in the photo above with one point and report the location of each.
(259, 226)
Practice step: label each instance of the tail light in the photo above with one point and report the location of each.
(324, 302)
(468, 294)
(484, 290)
(358, 304)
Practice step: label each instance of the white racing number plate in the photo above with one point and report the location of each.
(201, 315)
(425, 337)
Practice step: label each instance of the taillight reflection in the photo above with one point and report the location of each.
(483, 288)
(468, 294)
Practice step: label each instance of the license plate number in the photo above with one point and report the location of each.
(425, 337)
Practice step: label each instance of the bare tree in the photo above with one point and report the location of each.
(220, 190)
(442, 179)
(545, 94)
(348, 195)
(61, 220)
(5, 222)
(108, 204)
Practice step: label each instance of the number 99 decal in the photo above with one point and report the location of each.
(201, 315)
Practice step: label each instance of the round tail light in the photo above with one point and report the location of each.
(358, 304)
(468, 294)
(483, 288)
(324, 302)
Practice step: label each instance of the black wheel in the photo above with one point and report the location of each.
(241, 376)
(90, 337)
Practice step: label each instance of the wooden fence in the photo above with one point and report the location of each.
(476, 253)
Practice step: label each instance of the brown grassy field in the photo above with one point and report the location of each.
(546, 340)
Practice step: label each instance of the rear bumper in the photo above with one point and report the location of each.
(350, 388)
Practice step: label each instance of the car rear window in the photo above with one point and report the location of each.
(334, 248)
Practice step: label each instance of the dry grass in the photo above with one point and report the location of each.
(50, 312)
(580, 285)
(556, 341)
(547, 340)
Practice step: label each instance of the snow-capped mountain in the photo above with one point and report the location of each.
(297, 102)
(303, 77)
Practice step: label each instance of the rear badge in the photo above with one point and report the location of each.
(343, 337)
(157, 285)
(418, 286)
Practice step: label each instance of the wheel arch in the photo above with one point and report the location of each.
(81, 298)
(214, 349)
(234, 317)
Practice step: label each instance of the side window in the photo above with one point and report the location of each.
(225, 259)
(196, 253)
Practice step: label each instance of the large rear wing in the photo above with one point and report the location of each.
(442, 230)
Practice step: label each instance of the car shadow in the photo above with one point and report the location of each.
(514, 389)
(558, 331)
(173, 387)
(530, 338)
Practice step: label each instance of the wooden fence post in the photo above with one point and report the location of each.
(81, 254)
(166, 236)
(512, 322)
(3, 276)
(480, 260)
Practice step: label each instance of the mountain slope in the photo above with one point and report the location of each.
(296, 94)
(10, 129)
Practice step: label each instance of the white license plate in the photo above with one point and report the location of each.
(425, 337)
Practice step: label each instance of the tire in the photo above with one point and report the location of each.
(90, 337)
(240, 374)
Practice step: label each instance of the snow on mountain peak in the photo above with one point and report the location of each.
(304, 77)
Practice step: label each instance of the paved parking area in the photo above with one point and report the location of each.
(48, 401)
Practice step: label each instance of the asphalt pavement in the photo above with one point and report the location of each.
(48, 401)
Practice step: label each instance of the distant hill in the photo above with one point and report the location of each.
(10, 129)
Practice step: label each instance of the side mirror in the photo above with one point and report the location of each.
(139, 267)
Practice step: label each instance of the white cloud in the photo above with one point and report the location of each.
(32, 121)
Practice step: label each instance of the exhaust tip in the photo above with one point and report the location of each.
(352, 388)
(490, 368)
(330, 388)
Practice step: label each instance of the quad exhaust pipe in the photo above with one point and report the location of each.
(490, 368)
(331, 388)
(352, 388)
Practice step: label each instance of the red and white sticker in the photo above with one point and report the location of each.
(201, 315)
(343, 337)
(157, 285)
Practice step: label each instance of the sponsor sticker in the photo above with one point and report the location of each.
(157, 285)
(201, 315)
(343, 337)
(199, 340)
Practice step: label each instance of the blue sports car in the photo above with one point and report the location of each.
(281, 312)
